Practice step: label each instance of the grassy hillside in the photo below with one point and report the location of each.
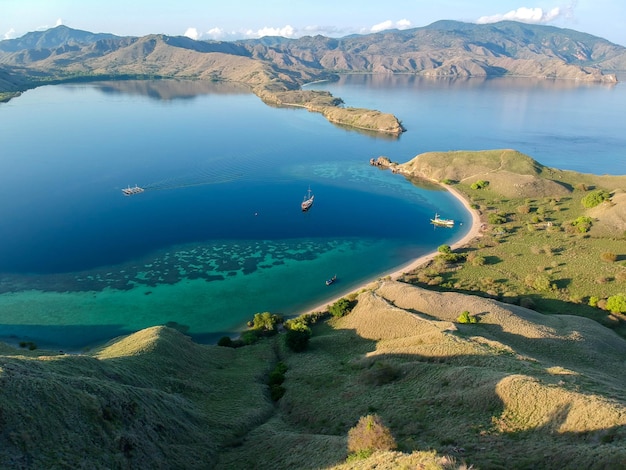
(528, 236)
(518, 389)
(151, 400)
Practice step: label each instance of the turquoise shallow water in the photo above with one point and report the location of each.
(218, 235)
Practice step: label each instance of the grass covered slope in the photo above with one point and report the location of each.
(517, 390)
(543, 243)
(151, 400)
(510, 173)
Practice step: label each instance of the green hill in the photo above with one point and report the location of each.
(518, 389)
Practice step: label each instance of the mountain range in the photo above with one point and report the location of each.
(442, 49)
(275, 68)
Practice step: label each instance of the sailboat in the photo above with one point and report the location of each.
(308, 201)
(442, 222)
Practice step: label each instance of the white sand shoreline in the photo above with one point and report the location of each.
(473, 233)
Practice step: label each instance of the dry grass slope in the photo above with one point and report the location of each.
(517, 390)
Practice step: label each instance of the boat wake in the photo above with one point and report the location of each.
(217, 171)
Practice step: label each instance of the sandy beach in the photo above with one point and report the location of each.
(474, 232)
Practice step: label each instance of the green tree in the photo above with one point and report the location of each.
(465, 317)
(297, 336)
(595, 198)
(616, 303)
(266, 321)
(495, 218)
(340, 308)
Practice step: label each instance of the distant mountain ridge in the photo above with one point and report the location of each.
(452, 48)
(273, 66)
(52, 38)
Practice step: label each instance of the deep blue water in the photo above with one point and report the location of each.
(218, 234)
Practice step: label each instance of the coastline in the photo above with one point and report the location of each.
(474, 232)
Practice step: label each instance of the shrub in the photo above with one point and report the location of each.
(277, 392)
(480, 184)
(608, 256)
(496, 219)
(465, 317)
(340, 308)
(593, 301)
(595, 198)
(275, 379)
(616, 303)
(370, 435)
(582, 224)
(542, 283)
(477, 260)
(444, 249)
(250, 337)
(225, 341)
(297, 337)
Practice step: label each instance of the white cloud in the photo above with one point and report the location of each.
(401, 24)
(286, 32)
(526, 15)
(382, 26)
(59, 22)
(216, 33)
(10, 34)
(192, 33)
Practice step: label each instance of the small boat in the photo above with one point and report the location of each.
(442, 222)
(130, 191)
(308, 201)
(331, 280)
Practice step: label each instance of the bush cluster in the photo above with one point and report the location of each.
(466, 317)
(582, 224)
(595, 198)
(616, 303)
(262, 325)
(495, 218)
(340, 308)
(480, 184)
(275, 381)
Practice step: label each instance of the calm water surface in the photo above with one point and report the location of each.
(218, 234)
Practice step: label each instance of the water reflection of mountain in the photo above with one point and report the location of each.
(170, 89)
(385, 81)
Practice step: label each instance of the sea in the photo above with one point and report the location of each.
(218, 234)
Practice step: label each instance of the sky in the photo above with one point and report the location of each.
(238, 19)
